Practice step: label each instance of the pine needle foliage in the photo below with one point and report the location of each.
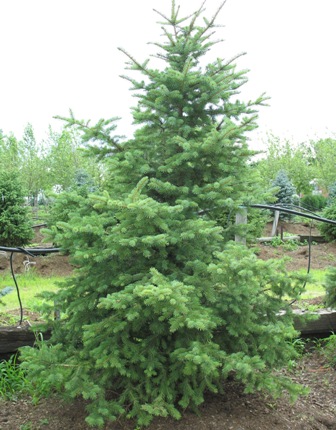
(330, 287)
(162, 308)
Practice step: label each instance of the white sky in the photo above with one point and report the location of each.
(61, 54)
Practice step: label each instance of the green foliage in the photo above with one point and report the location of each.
(67, 159)
(10, 153)
(257, 220)
(329, 230)
(314, 202)
(330, 287)
(329, 350)
(289, 244)
(324, 151)
(13, 382)
(34, 165)
(100, 133)
(64, 206)
(295, 159)
(15, 227)
(161, 307)
(331, 194)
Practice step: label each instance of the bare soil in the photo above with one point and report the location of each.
(321, 255)
(232, 411)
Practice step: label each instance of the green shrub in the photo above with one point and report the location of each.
(328, 230)
(329, 350)
(314, 202)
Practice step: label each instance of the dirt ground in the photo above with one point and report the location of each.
(322, 255)
(232, 411)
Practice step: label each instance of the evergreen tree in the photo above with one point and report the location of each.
(161, 307)
(329, 230)
(330, 287)
(286, 192)
(15, 227)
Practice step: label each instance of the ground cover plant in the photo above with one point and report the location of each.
(13, 382)
(162, 307)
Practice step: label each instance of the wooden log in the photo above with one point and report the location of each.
(269, 239)
(12, 338)
(325, 322)
(317, 239)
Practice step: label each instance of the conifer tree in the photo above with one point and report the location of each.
(15, 225)
(161, 307)
(286, 191)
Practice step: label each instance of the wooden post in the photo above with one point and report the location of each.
(241, 218)
(275, 222)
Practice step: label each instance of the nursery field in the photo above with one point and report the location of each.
(233, 410)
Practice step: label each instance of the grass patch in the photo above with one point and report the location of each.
(13, 381)
(30, 286)
(314, 287)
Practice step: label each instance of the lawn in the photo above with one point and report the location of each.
(314, 287)
(30, 286)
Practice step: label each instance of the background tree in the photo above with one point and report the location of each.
(162, 308)
(324, 155)
(66, 159)
(332, 193)
(34, 171)
(286, 190)
(295, 159)
(15, 226)
(10, 153)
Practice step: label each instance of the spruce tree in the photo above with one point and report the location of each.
(15, 224)
(162, 308)
(286, 192)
